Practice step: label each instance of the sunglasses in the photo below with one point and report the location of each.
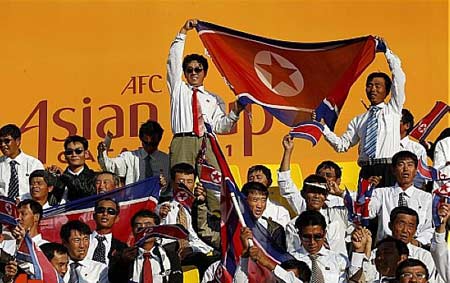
(5, 141)
(197, 70)
(77, 151)
(309, 237)
(109, 210)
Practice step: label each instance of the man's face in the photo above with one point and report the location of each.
(194, 73)
(312, 237)
(10, 147)
(330, 175)
(75, 154)
(412, 274)
(257, 202)
(258, 176)
(106, 214)
(149, 143)
(104, 183)
(376, 90)
(39, 189)
(405, 171)
(60, 262)
(404, 227)
(26, 217)
(77, 245)
(386, 259)
(187, 179)
(143, 222)
(315, 201)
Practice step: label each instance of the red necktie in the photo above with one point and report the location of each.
(147, 276)
(198, 126)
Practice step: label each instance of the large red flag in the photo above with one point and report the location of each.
(288, 79)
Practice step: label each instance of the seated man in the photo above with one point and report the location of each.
(439, 248)
(58, 256)
(102, 243)
(41, 185)
(133, 263)
(77, 181)
(274, 211)
(412, 270)
(106, 181)
(75, 237)
(339, 228)
(30, 214)
(326, 265)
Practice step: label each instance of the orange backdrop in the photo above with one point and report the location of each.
(85, 67)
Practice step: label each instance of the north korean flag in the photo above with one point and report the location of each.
(423, 128)
(288, 79)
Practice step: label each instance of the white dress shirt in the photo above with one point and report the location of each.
(407, 144)
(131, 164)
(332, 264)
(89, 271)
(195, 242)
(38, 240)
(93, 243)
(280, 275)
(212, 106)
(388, 132)
(441, 256)
(277, 213)
(26, 165)
(160, 267)
(384, 200)
(442, 153)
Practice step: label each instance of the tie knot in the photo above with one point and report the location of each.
(13, 162)
(74, 265)
(374, 109)
(100, 238)
(313, 257)
(146, 255)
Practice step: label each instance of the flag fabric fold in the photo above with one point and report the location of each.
(427, 172)
(424, 127)
(310, 130)
(169, 231)
(8, 211)
(288, 79)
(183, 196)
(132, 198)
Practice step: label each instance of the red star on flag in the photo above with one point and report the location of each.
(278, 73)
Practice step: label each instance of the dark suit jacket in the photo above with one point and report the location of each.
(116, 247)
(79, 186)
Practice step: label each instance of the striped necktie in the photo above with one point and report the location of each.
(370, 145)
(316, 273)
(13, 191)
(402, 199)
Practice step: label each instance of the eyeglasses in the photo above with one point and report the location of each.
(5, 141)
(109, 210)
(197, 70)
(409, 275)
(309, 237)
(77, 151)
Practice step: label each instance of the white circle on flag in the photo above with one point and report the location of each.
(278, 74)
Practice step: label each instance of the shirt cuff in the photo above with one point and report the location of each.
(284, 175)
(233, 116)
(439, 237)
(181, 36)
(357, 259)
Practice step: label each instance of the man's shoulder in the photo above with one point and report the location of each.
(92, 264)
(118, 244)
(29, 158)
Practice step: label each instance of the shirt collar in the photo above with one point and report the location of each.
(73, 173)
(19, 158)
(322, 251)
(108, 237)
(199, 88)
(409, 191)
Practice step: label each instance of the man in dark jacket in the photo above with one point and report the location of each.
(77, 181)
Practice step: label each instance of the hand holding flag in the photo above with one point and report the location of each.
(169, 231)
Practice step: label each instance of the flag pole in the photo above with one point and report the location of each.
(240, 216)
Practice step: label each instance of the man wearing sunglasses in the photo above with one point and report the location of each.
(191, 104)
(15, 166)
(102, 243)
(77, 181)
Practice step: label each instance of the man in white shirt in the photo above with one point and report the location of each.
(442, 152)
(144, 162)
(191, 105)
(384, 200)
(41, 185)
(439, 248)
(15, 166)
(102, 243)
(406, 125)
(75, 237)
(274, 210)
(377, 145)
(326, 265)
(148, 263)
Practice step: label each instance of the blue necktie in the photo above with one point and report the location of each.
(370, 145)
(13, 191)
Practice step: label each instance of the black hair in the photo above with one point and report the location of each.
(108, 199)
(76, 138)
(402, 155)
(153, 129)
(410, 262)
(263, 169)
(387, 80)
(35, 207)
(147, 214)
(310, 218)
(407, 118)
(116, 177)
(195, 57)
(74, 225)
(313, 179)
(183, 168)
(254, 186)
(401, 247)
(329, 164)
(50, 249)
(10, 130)
(403, 210)
(48, 177)
(304, 273)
